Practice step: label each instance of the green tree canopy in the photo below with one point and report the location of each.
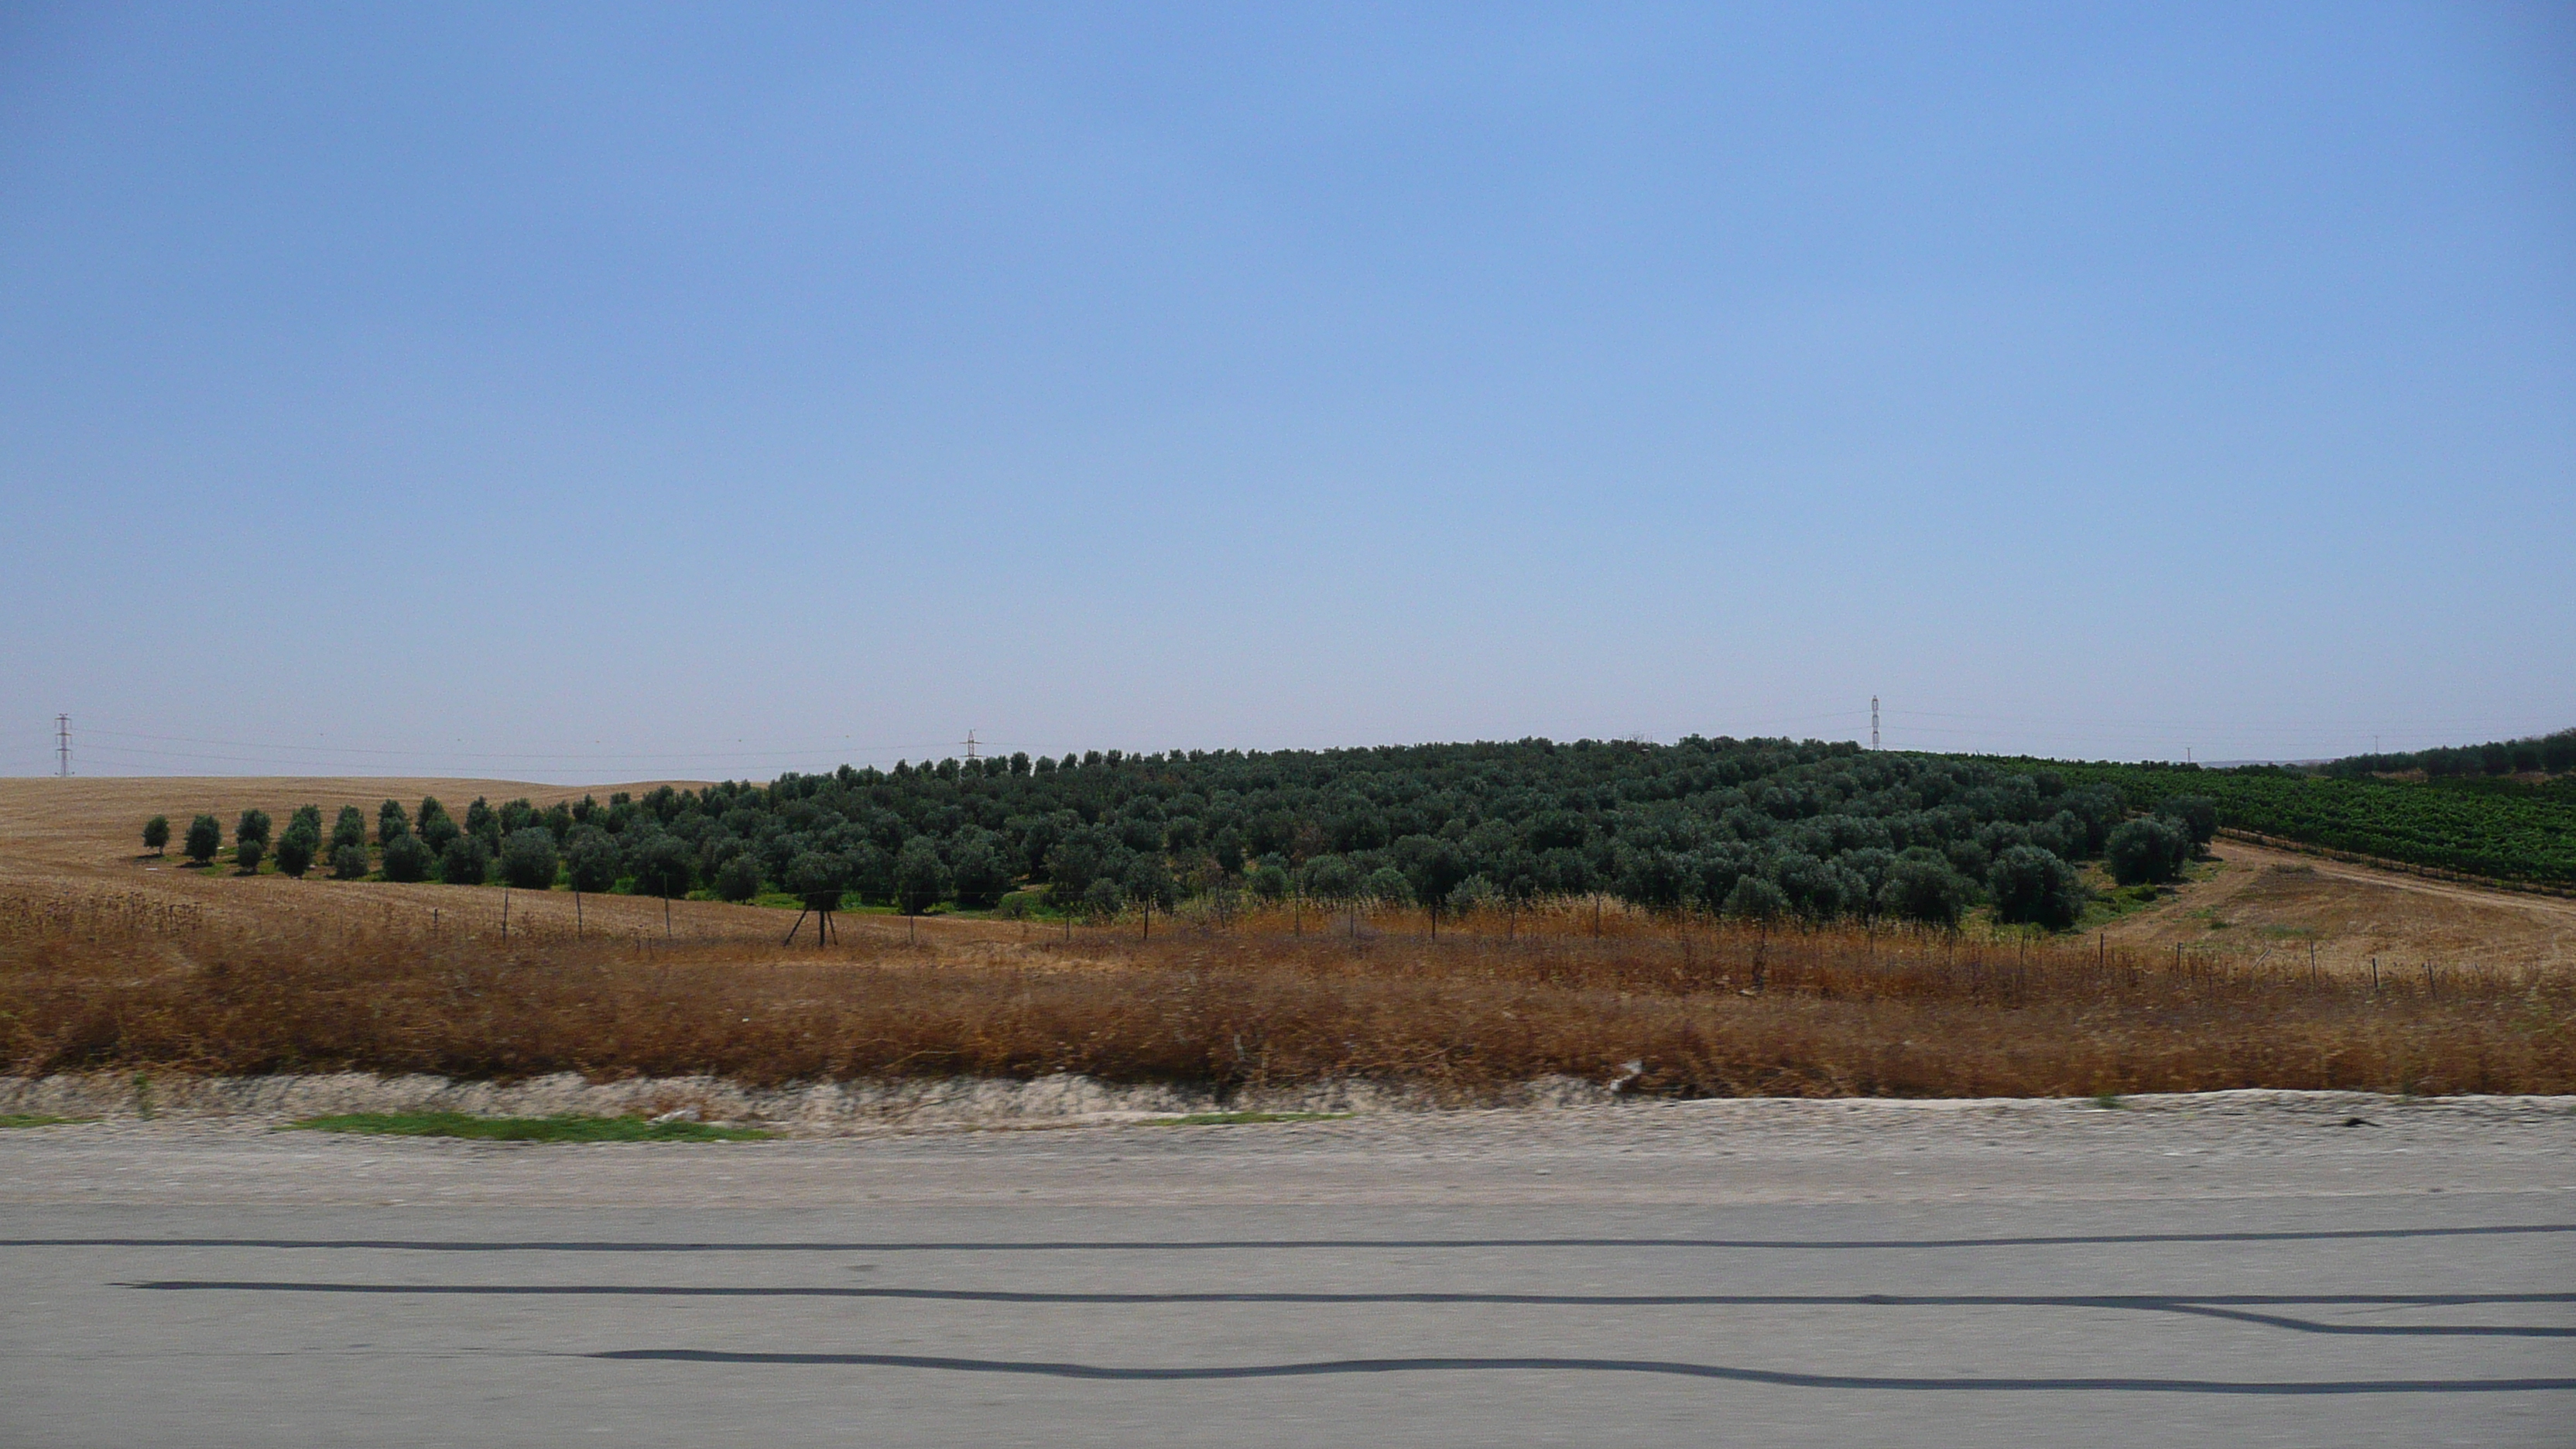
(205, 837)
(590, 856)
(662, 865)
(435, 827)
(528, 859)
(2031, 886)
(920, 880)
(738, 879)
(2197, 814)
(1924, 889)
(408, 858)
(2148, 850)
(814, 878)
(348, 862)
(464, 860)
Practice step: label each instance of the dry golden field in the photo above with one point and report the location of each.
(112, 960)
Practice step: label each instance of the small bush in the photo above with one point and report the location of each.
(526, 1129)
(1331, 878)
(156, 834)
(1475, 893)
(205, 837)
(247, 855)
(408, 859)
(348, 862)
(528, 859)
(1387, 886)
(1756, 899)
(1103, 899)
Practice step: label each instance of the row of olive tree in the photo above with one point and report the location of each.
(1749, 828)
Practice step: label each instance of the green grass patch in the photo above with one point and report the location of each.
(38, 1119)
(1242, 1119)
(525, 1129)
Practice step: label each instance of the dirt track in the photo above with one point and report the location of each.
(2260, 900)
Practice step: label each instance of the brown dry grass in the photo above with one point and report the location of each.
(127, 982)
(109, 960)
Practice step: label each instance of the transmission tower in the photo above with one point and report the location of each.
(971, 756)
(1873, 722)
(63, 745)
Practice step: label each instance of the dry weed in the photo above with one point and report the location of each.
(1684, 1008)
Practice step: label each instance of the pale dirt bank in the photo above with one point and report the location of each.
(837, 1108)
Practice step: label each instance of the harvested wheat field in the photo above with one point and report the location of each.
(2257, 904)
(76, 840)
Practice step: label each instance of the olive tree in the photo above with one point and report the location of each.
(2196, 814)
(348, 862)
(408, 858)
(738, 879)
(205, 837)
(436, 827)
(528, 859)
(1926, 891)
(2031, 886)
(296, 849)
(919, 877)
(253, 826)
(662, 865)
(464, 860)
(156, 834)
(590, 855)
(2148, 850)
(814, 878)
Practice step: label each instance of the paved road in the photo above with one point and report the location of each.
(2230, 1273)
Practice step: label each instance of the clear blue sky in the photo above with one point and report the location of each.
(588, 393)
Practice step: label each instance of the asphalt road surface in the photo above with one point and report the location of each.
(2215, 1273)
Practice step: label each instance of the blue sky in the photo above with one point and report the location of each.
(582, 393)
